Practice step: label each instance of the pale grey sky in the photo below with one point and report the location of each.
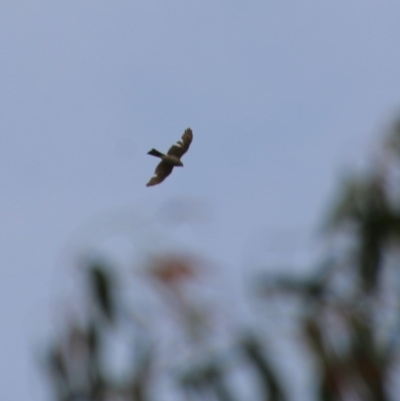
(280, 96)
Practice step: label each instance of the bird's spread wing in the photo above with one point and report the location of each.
(181, 147)
(163, 170)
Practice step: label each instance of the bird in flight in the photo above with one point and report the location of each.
(171, 159)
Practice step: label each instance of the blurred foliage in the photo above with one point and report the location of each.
(344, 318)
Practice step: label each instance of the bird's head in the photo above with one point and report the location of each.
(180, 164)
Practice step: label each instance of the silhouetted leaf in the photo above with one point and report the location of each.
(272, 387)
(310, 289)
(207, 379)
(59, 374)
(102, 284)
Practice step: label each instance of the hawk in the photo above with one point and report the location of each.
(171, 159)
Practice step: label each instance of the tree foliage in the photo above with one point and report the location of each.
(345, 317)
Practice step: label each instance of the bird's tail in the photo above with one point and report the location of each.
(155, 152)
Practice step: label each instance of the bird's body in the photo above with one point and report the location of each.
(171, 159)
(166, 158)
